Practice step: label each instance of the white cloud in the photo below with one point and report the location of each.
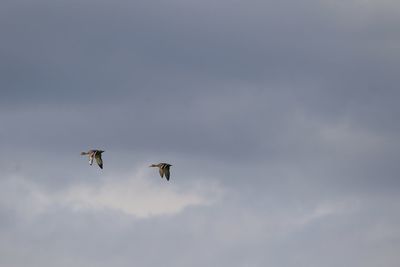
(133, 194)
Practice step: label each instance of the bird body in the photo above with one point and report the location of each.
(163, 168)
(94, 154)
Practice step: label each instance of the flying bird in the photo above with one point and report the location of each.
(163, 168)
(94, 154)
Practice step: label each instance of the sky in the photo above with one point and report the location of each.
(280, 118)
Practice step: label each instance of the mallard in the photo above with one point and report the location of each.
(94, 154)
(163, 169)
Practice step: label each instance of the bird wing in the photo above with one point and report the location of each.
(161, 171)
(99, 160)
(166, 171)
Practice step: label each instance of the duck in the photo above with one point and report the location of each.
(163, 168)
(94, 154)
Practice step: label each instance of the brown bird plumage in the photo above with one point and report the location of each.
(163, 168)
(94, 154)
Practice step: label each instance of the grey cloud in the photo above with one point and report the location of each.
(289, 106)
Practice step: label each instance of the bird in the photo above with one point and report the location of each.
(163, 169)
(94, 154)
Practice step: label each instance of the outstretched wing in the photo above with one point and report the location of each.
(161, 171)
(99, 160)
(166, 172)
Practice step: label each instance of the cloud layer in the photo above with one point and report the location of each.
(135, 195)
(280, 119)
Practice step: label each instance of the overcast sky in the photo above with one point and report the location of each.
(280, 118)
